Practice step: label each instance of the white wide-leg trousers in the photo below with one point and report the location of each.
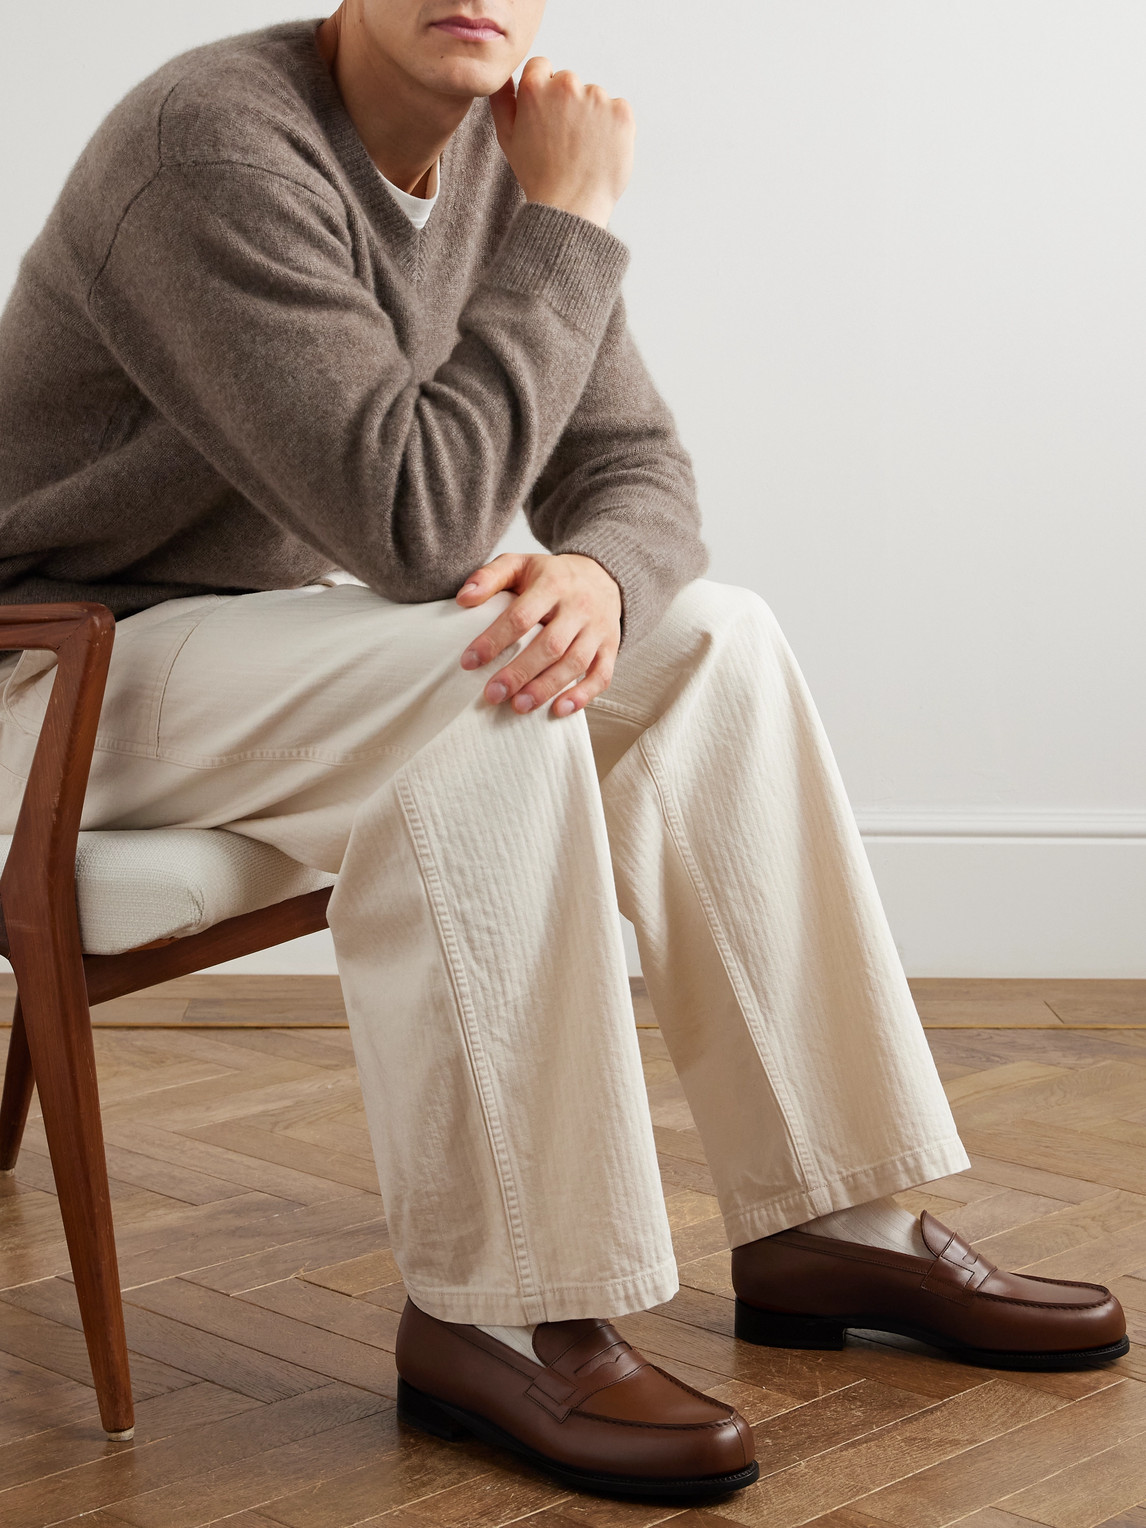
(481, 856)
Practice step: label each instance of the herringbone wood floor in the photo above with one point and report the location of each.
(262, 1301)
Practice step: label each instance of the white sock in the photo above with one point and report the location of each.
(520, 1338)
(879, 1223)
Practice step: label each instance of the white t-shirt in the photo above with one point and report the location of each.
(416, 208)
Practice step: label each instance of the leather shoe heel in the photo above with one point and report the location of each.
(423, 1412)
(775, 1329)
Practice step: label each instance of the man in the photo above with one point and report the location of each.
(336, 296)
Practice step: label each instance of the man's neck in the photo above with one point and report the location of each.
(403, 125)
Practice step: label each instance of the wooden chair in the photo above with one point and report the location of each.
(57, 981)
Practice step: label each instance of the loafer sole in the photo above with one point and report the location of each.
(778, 1329)
(442, 1420)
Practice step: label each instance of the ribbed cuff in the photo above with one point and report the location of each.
(576, 266)
(626, 562)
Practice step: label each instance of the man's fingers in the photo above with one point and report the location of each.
(549, 645)
(560, 653)
(511, 625)
(598, 677)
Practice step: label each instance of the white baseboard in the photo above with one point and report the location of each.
(1000, 822)
(1034, 894)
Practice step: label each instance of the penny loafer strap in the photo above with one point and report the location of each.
(957, 1271)
(584, 1374)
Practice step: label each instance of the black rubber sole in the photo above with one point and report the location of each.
(775, 1329)
(441, 1420)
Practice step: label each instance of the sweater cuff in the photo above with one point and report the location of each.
(575, 265)
(627, 562)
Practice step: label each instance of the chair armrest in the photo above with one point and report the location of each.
(37, 887)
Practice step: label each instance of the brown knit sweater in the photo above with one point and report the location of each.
(231, 363)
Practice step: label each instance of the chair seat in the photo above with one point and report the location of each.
(136, 886)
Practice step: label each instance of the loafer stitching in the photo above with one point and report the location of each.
(590, 1416)
(1036, 1304)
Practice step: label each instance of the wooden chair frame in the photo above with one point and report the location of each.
(51, 1042)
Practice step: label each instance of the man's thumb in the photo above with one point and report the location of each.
(503, 105)
(493, 576)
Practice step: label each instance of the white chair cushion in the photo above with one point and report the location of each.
(133, 887)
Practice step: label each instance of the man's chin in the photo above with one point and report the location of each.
(465, 78)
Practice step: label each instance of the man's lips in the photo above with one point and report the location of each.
(471, 28)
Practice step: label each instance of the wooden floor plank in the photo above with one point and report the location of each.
(305, 1259)
(214, 1238)
(1007, 1210)
(1074, 1153)
(995, 989)
(895, 1453)
(994, 1078)
(286, 1150)
(488, 1501)
(327, 1310)
(154, 1338)
(1107, 1257)
(33, 1399)
(267, 1332)
(357, 1275)
(1062, 1230)
(140, 1482)
(841, 1417)
(59, 1347)
(999, 1467)
(256, 1174)
(416, 1467)
(68, 1445)
(1067, 1094)
(257, 1479)
(1014, 1013)
(1035, 1180)
(1089, 1493)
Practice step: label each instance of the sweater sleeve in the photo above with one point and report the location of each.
(619, 486)
(230, 296)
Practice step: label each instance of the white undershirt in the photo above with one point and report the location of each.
(416, 208)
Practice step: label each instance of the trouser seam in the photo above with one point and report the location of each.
(193, 627)
(479, 1064)
(675, 825)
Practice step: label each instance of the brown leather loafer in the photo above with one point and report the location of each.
(591, 1412)
(797, 1290)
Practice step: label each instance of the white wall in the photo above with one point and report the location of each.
(887, 268)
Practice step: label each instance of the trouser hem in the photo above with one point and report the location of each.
(891, 1176)
(566, 1302)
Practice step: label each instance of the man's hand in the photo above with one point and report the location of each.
(569, 144)
(579, 605)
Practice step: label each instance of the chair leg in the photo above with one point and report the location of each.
(59, 1036)
(17, 1095)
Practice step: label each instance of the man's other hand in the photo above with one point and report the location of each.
(569, 144)
(579, 607)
